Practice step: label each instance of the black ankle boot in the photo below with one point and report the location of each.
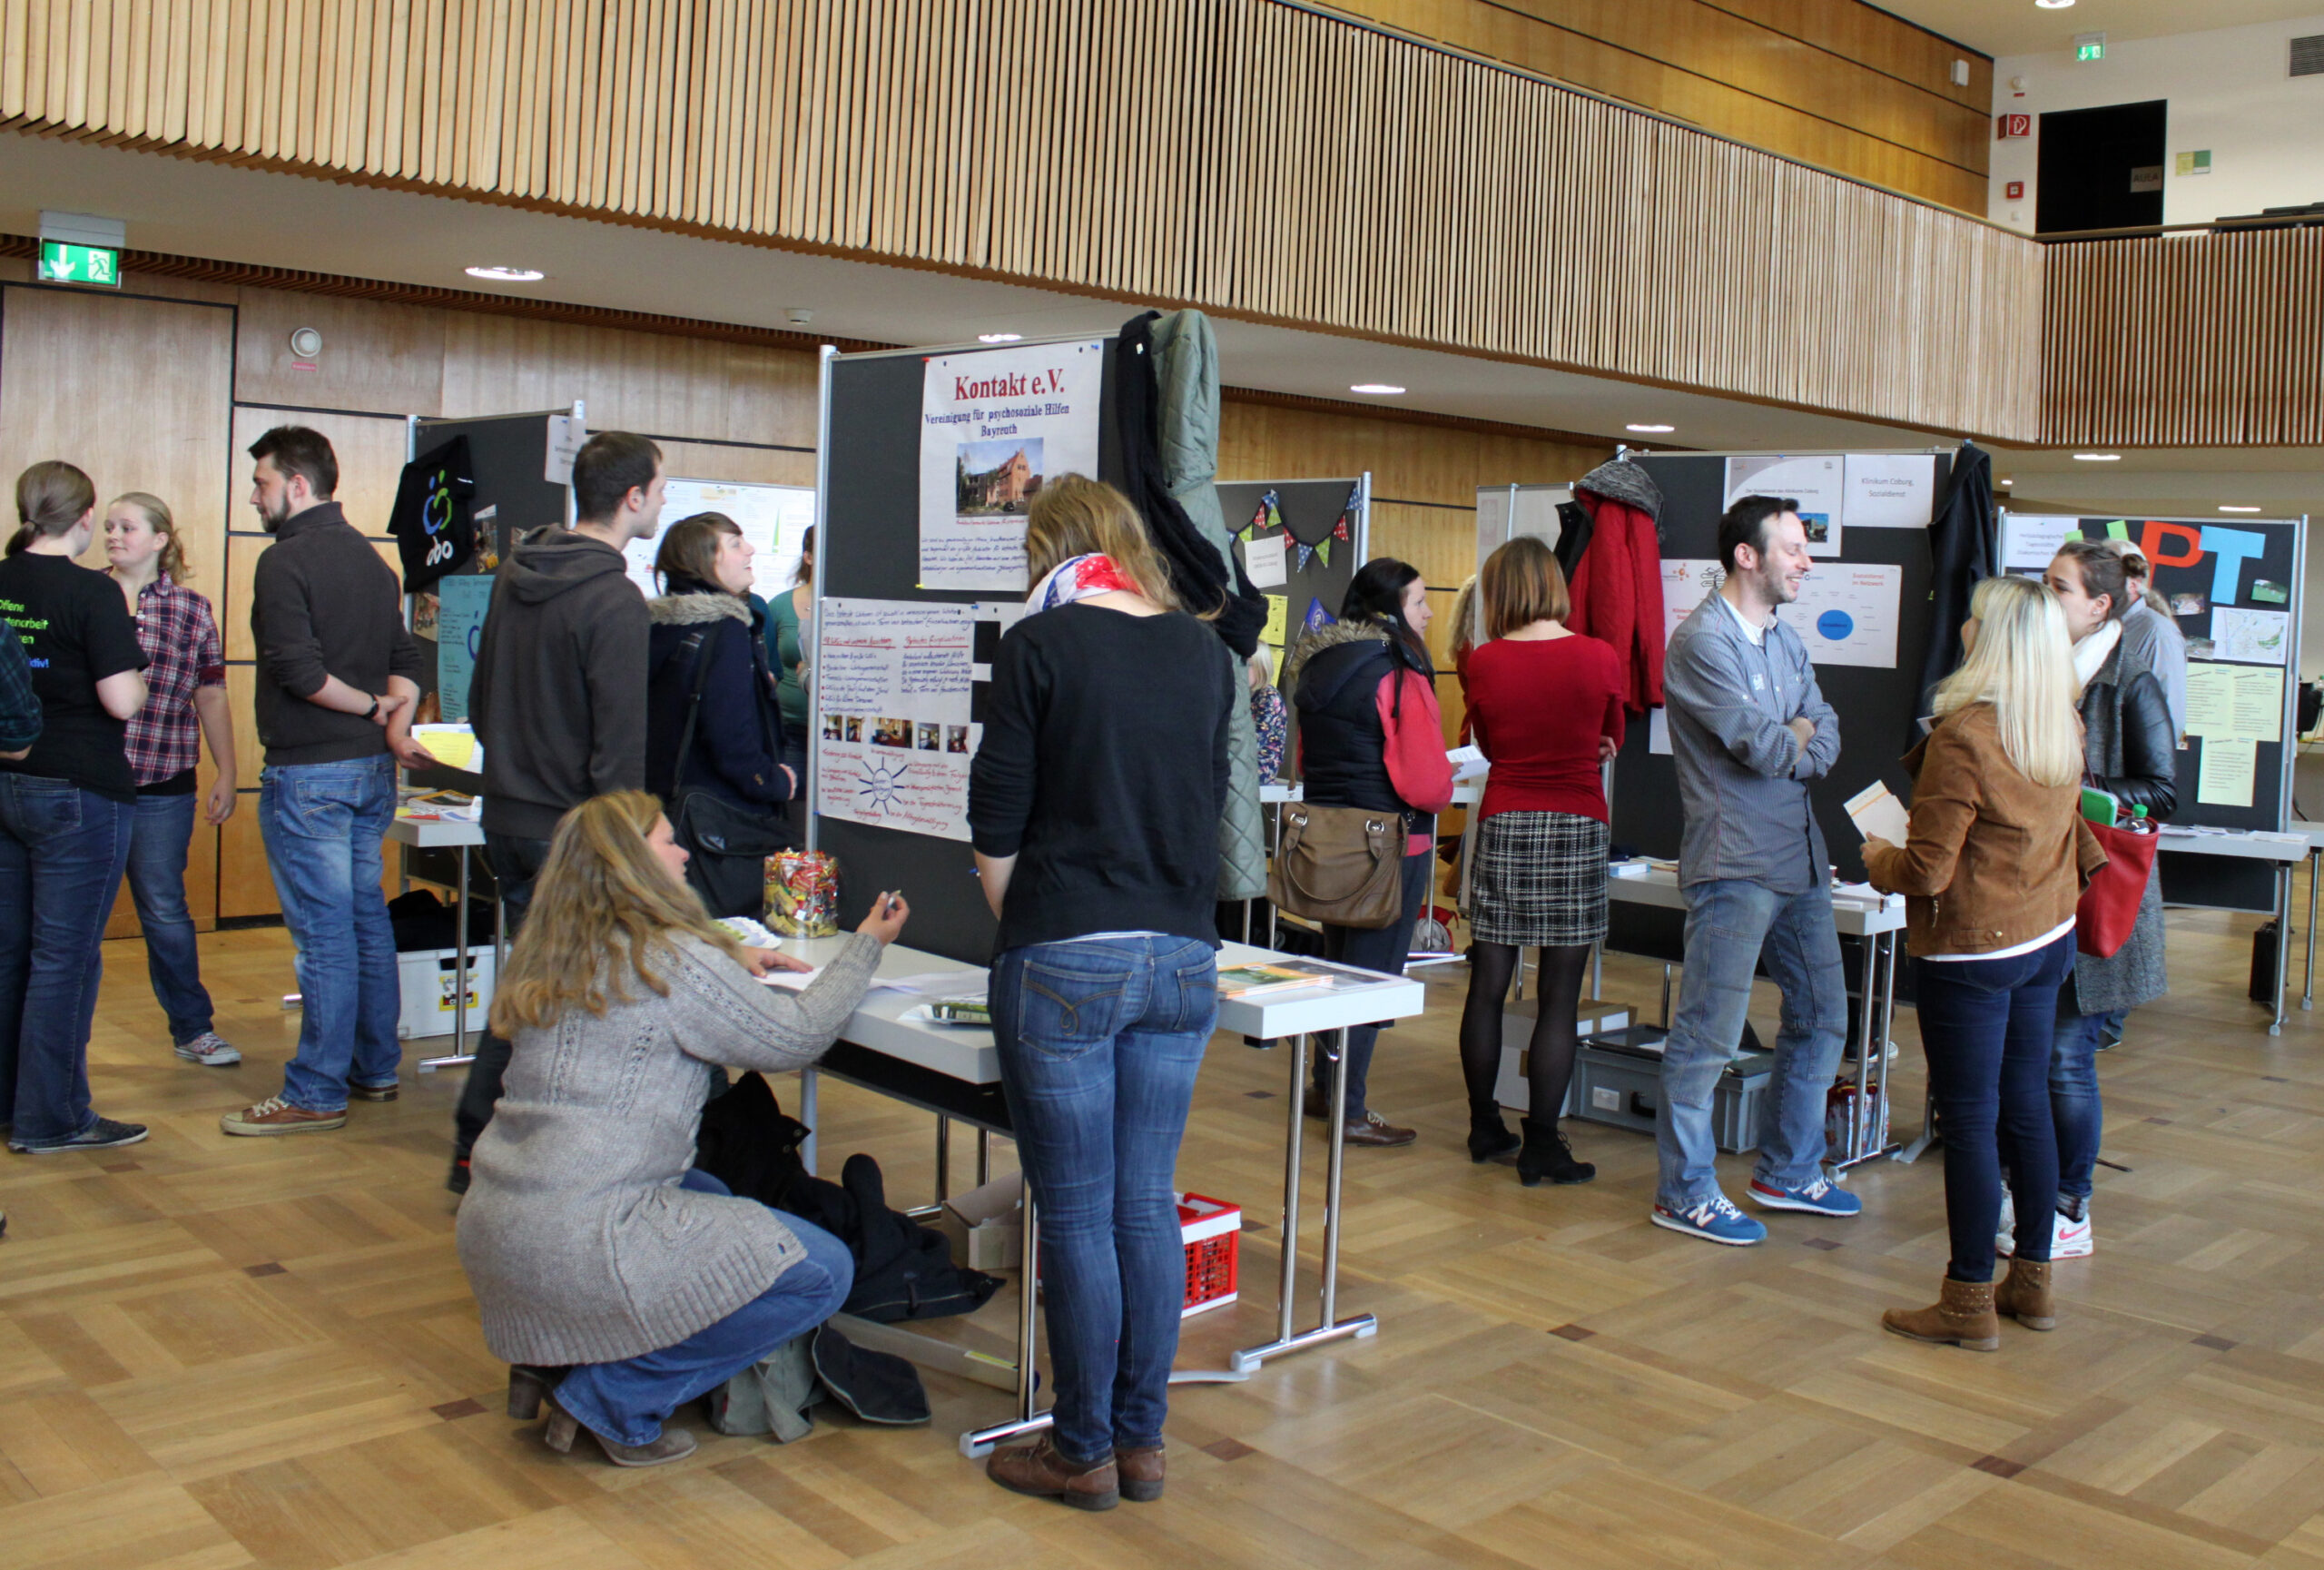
(1547, 1155)
(1489, 1137)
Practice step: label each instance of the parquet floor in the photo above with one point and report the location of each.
(221, 1353)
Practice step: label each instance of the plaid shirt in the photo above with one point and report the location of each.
(179, 635)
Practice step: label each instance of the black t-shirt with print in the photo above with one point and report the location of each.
(76, 631)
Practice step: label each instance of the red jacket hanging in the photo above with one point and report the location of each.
(1618, 587)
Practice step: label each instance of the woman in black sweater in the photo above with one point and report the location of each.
(1094, 804)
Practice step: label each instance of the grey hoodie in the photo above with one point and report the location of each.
(558, 697)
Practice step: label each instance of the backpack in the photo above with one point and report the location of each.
(904, 1270)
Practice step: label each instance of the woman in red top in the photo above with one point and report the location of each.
(1545, 705)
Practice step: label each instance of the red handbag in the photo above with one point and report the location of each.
(2108, 907)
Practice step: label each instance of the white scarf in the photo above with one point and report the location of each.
(2090, 652)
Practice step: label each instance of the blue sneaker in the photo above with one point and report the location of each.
(1714, 1220)
(1817, 1195)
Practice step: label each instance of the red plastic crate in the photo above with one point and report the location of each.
(1212, 1231)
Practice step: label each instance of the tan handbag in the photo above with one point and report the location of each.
(1343, 865)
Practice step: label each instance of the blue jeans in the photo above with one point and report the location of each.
(1099, 1045)
(62, 849)
(1731, 925)
(323, 822)
(2074, 1107)
(627, 1402)
(1987, 1026)
(163, 828)
(1384, 949)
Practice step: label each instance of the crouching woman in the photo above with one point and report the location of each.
(614, 1280)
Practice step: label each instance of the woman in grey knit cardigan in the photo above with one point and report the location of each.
(588, 1242)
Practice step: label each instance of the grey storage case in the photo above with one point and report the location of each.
(1618, 1079)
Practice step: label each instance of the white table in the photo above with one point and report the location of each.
(2286, 852)
(1880, 921)
(464, 835)
(955, 1073)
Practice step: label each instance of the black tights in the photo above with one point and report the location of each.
(1491, 966)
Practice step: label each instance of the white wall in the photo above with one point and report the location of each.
(2230, 91)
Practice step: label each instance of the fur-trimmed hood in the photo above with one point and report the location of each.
(1337, 634)
(697, 609)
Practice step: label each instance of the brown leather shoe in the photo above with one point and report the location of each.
(1375, 1130)
(1038, 1470)
(276, 1116)
(673, 1445)
(1963, 1316)
(2023, 1295)
(1315, 1103)
(1141, 1473)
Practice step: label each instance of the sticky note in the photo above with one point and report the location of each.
(2228, 769)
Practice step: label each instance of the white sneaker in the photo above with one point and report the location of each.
(2068, 1239)
(211, 1053)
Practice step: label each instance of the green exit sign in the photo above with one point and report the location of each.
(2090, 46)
(61, 263)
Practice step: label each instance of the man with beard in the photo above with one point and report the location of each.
(1748, 729)
(337, 687)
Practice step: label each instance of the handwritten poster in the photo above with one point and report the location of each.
(995, 426)
(774, 518)
(893, 737)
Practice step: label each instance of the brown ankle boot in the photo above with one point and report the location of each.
(671, 1444)
(1964, 1316)
(1141, 1473)
(2024, 1295)
(1038, 1469)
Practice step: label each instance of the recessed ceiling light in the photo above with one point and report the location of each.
(1652, 429)
(2004, 481)
(2224, 508)
(508, 274)
(2098, 457)
(1000, 337)
(1383, 389)
(2053, 4)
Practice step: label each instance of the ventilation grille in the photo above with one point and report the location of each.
(2307, 55)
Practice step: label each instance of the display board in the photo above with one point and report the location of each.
(1332, 518)
(1865, 624)
(2236, 586)
(774, 518)
(885, 642)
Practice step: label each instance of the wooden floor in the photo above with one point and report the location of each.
(223, 1352)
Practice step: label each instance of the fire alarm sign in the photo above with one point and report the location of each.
(2012, 126)
(2017, 189)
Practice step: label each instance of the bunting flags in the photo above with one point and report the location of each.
(1324, 552)
(1305, 552)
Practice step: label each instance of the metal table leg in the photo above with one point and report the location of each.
(1362, 1326)
(943, 1159)
(461, 1056)
(2309, 972)
(807, 1087)
(1878, 1014)
(2283, 944)
(984, 1157)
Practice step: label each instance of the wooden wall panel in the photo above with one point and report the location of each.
(1833, 83)
(1532, 224)
(2187, 340)
(370, 462)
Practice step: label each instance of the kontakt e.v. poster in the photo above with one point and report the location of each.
(995, 426)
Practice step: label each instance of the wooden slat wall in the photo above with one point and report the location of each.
(2197, 339)
(1838, 84)
(1252, 158)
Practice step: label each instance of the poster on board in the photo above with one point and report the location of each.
(1818, 484)
(995, 424)
(461, 601)
(774, 518)
(894, 735)
(1846, 613)
(1889, 490)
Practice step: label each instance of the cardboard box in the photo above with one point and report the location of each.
(986, 1225)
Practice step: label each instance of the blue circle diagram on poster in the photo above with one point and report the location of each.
(1836, 625)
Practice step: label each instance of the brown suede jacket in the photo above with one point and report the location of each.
(1993, 860)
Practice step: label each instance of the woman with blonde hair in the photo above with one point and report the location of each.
(1094, 804)
(1994, 862)
(185, 705)
(590, 1245)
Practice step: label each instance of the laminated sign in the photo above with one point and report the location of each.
(996, 425)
